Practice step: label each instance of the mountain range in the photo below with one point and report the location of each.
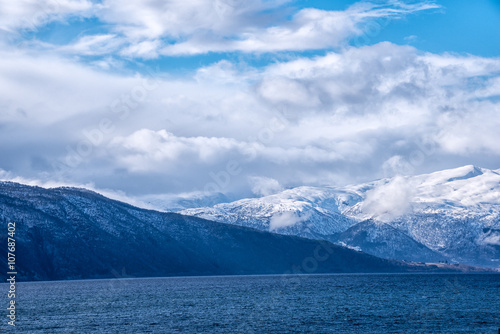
(389, 225)
(451, 215)
(71, 233)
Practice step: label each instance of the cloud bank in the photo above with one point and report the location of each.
(349, 114)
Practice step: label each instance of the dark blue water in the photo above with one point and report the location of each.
(409, 303)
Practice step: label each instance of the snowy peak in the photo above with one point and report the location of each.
(466, 187)
(471, 170)
(437, 211)
(303, 211)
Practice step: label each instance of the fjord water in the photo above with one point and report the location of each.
(337, 303)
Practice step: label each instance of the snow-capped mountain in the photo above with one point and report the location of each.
(72, 233)
(448, 215)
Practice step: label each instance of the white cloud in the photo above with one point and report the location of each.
(93, 45)
(264, 186)
(110, 193)
(148, 150)
(144, 49)
(397, 165)
(152, 150)
(286, 219)
(225, 72)
(308, 29)
(388, 201)
(147, 28)
(141, 21)
(351, 114)
(493, 239)
(50, 89)
(138, 19)
(470, 131)
(283, 90)
(31, 14)
(332, 118)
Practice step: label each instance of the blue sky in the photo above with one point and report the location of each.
(460, 26)
(457, 26)
(202, 96)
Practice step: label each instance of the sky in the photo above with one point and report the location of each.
(245, 97)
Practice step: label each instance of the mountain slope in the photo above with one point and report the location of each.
(304, 211)
(68, 233)
(452, 214)
(383, 240)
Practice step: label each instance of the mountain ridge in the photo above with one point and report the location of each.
(68, 233)
(437, 211)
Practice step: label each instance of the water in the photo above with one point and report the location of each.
(358, 303)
